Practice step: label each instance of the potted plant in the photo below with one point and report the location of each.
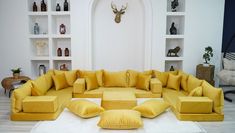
(16, 72)
(207, 55)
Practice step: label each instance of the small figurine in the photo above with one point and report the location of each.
(172, 68)
(175, 51)
(66, 52)
(66, 5)
(59, 52)
(62, 29)
(35, 8)
(36, 29)
(58, 7)
(63, 67)
(43, 6)
(173, 30)
(174, 5)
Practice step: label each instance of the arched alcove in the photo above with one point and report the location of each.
(119, 46)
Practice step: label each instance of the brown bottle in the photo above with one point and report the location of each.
(43, 6)
(66, 52)
(35, 8)
(59, 52)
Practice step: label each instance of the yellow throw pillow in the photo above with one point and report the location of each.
(143, 81)
(40, 86)
(48, 77)
(148, 72)
(184, 79)
(99, 75)
(193, 83)
(197, 92)
(120, 119)
(91, 81)
(60, 81)
(151, 108)
(163, 76)
(70, 76)
(132, 77)
(84, 108)
(115, 79)
(174, 82)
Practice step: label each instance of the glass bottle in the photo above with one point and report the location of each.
(35, 8)
(36, 29)
(59, 52)
(58, 7)
(43, 6)
(42, 69)
(66, 52)
(62, 29)
(66, 5)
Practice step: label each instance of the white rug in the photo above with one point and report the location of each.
(70, 123)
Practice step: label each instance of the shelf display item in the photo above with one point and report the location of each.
(43, 6)
(41, 48)
(59, 52)
(174, 5)
(173, 30)
(66, 52)
(66, 5)
(64, 67)
(58, 7)
(62, 29)
(35, 8)
(42, 69)
(36, 29)
(174, 51)
(172, 68)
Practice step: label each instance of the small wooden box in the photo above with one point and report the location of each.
(206, 73)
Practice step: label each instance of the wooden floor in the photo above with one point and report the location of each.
(8, 126)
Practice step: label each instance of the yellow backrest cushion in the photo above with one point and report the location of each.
(148, 72)
(132, 77)
(48, 77)
(115, 79)
(40, 86)
(193, 83)
(163, 76)
(151, 108)
(18, 96)
(174, 82)
(91, 81)
(60, 81)
(196, 92)
(120, 119)
(215, 94)
(99, 75)
(184, 79)
(70, 76)
(143, 81)
(84, 108)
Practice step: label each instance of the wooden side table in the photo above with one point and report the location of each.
(7, 83)
(206, 73)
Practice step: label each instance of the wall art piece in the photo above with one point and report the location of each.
(117, 12)
(62, 29)
(173, 30)
(174, 52)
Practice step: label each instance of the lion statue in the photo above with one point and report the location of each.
(174, 51)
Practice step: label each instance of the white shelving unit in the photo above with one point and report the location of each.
(49, 23)
(172, 41)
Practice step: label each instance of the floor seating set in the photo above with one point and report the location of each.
(189, 98)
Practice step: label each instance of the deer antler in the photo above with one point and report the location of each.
(113, 6)
(124, 7)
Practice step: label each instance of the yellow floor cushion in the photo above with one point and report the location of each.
(170, 95)
(40, 104)
(194, 105)
(118, 100)
(120, 119)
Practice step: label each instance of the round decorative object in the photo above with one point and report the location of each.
(62, 29)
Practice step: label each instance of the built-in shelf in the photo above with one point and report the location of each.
(174, 58)
(60, 13)
(37, 13)
(174, 36)
(39, 36)
(62, 58)
(175, 13)
(61, 36)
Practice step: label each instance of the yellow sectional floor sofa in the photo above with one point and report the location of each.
(189, 97)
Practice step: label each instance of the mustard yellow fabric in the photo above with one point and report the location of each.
(91, 81)
(40, 104)
(163, 76)
(193, 83)
(70, 76)
(48, 77)
(60, 81)
(155, 85)
(115, 79)
(84, 108)
(40, 86)
(79, 85)
(120, 119)
(18, 96)
(132, 77)
(151, 108)
(99, 75)
(174, 82)
(143, 81)
(215, 94)
(118, 100)
(184, 79)
(148, 72)
(194, 105)
(196, 92)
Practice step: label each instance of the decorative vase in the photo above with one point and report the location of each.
(35, 8)
(43, 6)
(16, 75)
(173, 30)
(58, 7)
(62, 29)
(66, 5)
(59, 52)
(66, 52)
(36, 29)
(42, 69)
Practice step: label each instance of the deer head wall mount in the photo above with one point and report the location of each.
(117, 12)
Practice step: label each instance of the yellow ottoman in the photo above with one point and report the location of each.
(197, 105)
(118, 100)
(42, 104)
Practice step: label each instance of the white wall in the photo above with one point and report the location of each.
(203, 27)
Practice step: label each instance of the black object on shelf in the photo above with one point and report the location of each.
(35, 8)
(59, 52)
(66, 52)
(173, 30)
(66, 5)
(43, 6)
(58, 7)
